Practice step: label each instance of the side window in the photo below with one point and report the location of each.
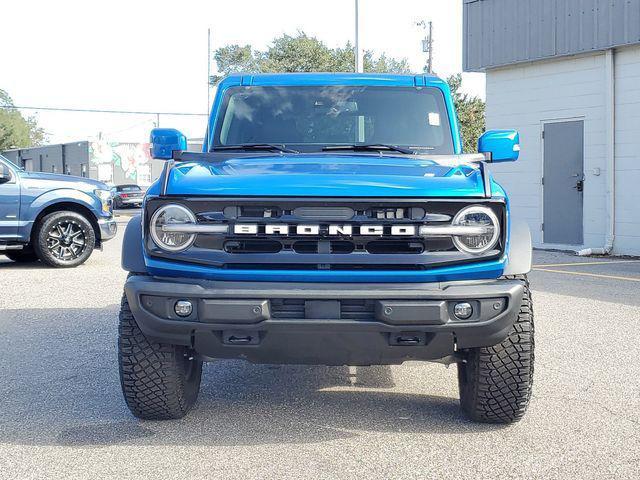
(6, 176)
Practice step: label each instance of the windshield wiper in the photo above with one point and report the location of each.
(369, 147)
(255, 146)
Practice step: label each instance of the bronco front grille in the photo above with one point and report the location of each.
(375, 239)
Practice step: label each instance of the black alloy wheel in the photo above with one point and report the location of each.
(64, 239)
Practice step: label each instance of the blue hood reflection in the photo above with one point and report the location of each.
(325, 175)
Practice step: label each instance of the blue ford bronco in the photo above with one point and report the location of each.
(57, 219)
(331, 219)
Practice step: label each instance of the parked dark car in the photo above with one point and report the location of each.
(58, 219)
(127, 196)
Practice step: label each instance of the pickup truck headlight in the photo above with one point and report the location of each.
(488, 227)
(106, 199)
(170, 240)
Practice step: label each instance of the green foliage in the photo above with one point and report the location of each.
(235, 58)
(301, 53)
(15, 130)
(470, 114)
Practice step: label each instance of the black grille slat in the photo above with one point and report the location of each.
(357, 309)
(400, 247)
(287, 308)
(252, 246)
(294, 308)
(314, 246)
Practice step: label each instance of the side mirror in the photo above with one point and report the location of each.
(5, 174)
(500, 145)
(164, 141)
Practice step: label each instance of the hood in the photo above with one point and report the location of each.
(63, 181)
(327, 175)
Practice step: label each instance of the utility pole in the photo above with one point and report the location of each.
(208, 67)
(358, 52)
(427, 43)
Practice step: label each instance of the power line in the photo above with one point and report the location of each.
(94, 110)
(130, 127)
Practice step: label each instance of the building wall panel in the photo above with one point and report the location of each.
(524, 96)
(527, 95)
(628, 151)
(502, 32)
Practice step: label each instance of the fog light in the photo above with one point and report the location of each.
(462, 310)
(183, 308)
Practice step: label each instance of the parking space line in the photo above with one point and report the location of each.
(608, 262)
(584, 274)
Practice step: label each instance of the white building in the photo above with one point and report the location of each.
(566, 74)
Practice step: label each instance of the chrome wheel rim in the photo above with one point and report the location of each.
(66, 240)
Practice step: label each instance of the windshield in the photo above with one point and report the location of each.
(308, 118)
(10, 163)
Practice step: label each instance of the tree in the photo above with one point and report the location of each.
(17, 131)
(301, 53)
(470, 114)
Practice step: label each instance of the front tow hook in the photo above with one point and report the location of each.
(240, 338)
(408, 339)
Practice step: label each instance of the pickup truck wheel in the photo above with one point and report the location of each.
(64, 239)
(22, 256)
(159, 381)
(495, 382)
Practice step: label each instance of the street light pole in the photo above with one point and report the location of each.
(427, 43)
(358, 52)
(430, 61)
(208, 67)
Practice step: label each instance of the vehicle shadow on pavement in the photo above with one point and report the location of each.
(5, 263)
(62, 388)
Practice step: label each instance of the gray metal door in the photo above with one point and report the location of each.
(563, 182)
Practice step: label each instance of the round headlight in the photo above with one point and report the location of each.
(477, 216)
(171, 241)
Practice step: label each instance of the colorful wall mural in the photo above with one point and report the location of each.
(120, 163)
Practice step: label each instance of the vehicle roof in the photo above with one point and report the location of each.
(323, 78)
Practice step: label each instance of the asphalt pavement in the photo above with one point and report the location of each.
(62, 414)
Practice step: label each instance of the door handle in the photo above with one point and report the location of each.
(579, 185)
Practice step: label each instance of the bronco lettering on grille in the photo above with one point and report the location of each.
(330, 230)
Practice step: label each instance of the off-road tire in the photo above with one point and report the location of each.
(159, 381)
(495, 382)
(48, 223)
(22, 256)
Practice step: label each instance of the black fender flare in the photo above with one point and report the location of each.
(520, 250)
(132, 254)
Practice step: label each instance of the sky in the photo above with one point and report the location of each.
(152, 55)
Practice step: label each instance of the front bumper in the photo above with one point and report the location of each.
(108, 228)
(312, 323)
